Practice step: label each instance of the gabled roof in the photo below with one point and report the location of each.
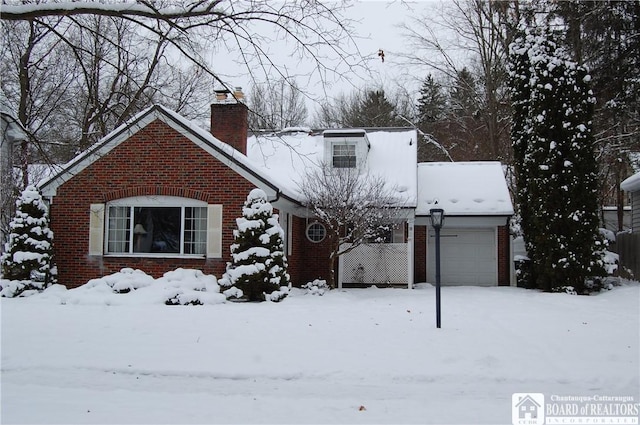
(14, 130)
(278, 163)
(463, 189)
(287, 157)
(221, 151)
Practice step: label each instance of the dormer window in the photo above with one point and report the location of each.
(344, 155)
(346, 148)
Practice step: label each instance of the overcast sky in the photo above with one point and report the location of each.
(376, 26)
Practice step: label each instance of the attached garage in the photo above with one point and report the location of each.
(467, 257)
(474, 239)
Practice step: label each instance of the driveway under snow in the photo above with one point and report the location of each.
(353, 356)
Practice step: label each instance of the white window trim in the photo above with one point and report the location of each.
(306, 232)
(343, 143)
(214, 226)
(156, 201)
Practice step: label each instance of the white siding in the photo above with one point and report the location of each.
(635, 212)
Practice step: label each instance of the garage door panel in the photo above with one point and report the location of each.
(468, 257)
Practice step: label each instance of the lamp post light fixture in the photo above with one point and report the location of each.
(437, 221)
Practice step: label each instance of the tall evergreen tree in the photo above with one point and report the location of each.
(432, 119)
(554, 162)
(464, 95)
(432, 103)
(368, 108)
(377, 111)
(259, 266)
(29, 250)
(605, 36)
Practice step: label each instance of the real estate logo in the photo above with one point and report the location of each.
(527, 409)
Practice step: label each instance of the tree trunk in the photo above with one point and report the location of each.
(333, 266)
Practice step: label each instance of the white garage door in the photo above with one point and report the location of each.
(467, 257)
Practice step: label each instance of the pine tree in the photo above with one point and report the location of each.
(259, 266)
(378, 111)
(432, 103)
(554, 162)
(29, 250)
(464, 93)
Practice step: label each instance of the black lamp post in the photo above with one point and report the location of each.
(437, 221)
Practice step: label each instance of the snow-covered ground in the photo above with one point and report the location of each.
(349, 356)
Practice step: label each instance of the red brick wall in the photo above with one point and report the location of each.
(308, 260)
(504, 257)
(229, 124)
(420, 254)
(155, 161)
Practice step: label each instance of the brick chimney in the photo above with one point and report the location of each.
(229, 118)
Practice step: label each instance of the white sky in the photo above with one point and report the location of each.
(376, 26)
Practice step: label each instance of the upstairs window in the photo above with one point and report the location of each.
(344, 155)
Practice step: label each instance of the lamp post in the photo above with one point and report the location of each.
(437, 221)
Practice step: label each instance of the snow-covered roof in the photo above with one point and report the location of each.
(463, 188)
(276, 163)
(391, 155)
(14, 130)
(631, 184)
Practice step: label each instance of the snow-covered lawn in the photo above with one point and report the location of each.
(352, 356)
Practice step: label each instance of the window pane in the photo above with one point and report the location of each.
(316, 232)
(195, 230)
(344, 156)
(156, 229)
(118, 238)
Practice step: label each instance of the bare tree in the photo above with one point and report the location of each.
(276, 105)
(93, 64)
(36, 77)
(73, 71)
(355, 208)
(477, 40)
(317, 34)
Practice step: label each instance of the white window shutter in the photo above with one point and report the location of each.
(96, 229)
(214, 231)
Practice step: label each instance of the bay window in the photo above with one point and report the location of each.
(152, 226)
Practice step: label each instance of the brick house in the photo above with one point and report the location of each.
(159, 193)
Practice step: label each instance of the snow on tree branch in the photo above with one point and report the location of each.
(355, 207)
(139, 8)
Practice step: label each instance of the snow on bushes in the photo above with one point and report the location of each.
(129, 286)
(258, 267)
(317, 287)
(19, 288)
(27, 260)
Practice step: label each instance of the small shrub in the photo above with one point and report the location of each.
(317, 287)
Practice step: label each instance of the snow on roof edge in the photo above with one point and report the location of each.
(632, 183)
